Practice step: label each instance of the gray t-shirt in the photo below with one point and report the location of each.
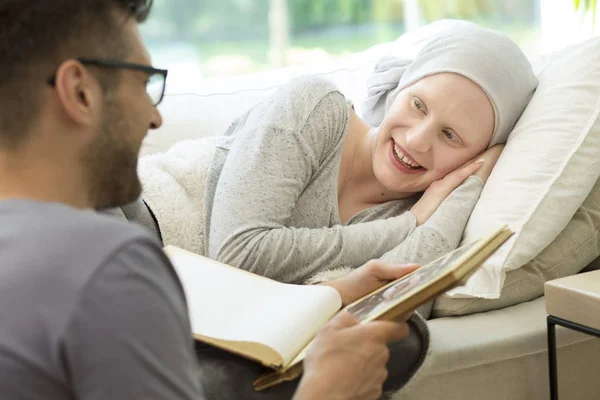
(90, 308)
(271, 194)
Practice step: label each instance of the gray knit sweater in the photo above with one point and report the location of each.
(271, 195)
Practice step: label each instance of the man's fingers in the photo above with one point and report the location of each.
(405, 317)
(385, 331)
(342, 320)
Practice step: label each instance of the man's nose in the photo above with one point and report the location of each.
(157, 120)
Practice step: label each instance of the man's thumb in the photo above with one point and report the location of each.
(394, 271)
(342, 320)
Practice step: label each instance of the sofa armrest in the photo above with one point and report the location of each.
(478, 339)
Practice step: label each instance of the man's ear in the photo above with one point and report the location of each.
(78, 92)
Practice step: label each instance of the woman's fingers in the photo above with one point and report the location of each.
(455, 178)
(491, 157)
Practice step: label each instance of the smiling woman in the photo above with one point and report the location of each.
(440, 122)
(300, 184)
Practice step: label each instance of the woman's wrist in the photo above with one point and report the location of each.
(420, 214)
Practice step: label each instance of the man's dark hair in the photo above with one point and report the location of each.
(36, 36)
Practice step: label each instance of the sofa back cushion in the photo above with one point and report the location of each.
(196, 108)
(208, 107)
(576, 247)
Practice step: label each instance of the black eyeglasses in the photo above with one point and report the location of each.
(156, 83)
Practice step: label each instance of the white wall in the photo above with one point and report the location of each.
(561, 25)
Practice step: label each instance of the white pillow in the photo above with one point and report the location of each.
(549, 166)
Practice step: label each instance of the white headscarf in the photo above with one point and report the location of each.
(488, 58)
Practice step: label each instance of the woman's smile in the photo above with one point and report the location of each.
(403, 161)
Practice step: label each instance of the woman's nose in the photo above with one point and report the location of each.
(418, 139)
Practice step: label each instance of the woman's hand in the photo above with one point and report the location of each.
(490, 157)
(437, 192)
(441, 189)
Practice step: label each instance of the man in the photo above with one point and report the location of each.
(91, 308)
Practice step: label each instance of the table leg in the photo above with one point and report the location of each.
(551, 327)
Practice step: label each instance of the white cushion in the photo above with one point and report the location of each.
(549, 165)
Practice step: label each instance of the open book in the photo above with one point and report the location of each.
(274, 323)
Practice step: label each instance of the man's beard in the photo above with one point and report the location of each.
(111, 161)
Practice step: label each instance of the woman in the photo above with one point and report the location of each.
(300, 184)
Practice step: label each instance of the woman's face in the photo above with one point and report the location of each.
(433, 127)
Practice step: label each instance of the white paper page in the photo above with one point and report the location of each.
(231, 304)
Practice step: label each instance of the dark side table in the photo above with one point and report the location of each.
(572, 302)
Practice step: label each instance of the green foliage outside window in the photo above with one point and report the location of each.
(587, 6)
(240, 28)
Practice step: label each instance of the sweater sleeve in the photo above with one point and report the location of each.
(442, 232)
(278, 149)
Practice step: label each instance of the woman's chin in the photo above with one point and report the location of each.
(405, 186)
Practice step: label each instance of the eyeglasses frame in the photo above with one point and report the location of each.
(114, 64)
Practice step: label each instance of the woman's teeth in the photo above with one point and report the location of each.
(402, 158)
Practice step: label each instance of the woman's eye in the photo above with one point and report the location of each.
(449, 135)
(418, 103)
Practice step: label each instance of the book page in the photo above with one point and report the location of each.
(230, 304)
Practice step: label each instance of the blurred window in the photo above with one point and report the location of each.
(207, 38)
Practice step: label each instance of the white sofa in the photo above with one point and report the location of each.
(499, 354)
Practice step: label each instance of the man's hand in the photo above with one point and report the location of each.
(367, 278)
(348, 360)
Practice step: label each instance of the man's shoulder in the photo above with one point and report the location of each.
(101, 236)
(98, 223)
(100, 230)
(64, 237)
(75, 283)
(51, 252)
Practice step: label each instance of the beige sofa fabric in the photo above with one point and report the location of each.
(501, 355)
(593, 266)
(576, 247)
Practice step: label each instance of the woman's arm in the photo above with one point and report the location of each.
(278, 150)
(443, 231)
